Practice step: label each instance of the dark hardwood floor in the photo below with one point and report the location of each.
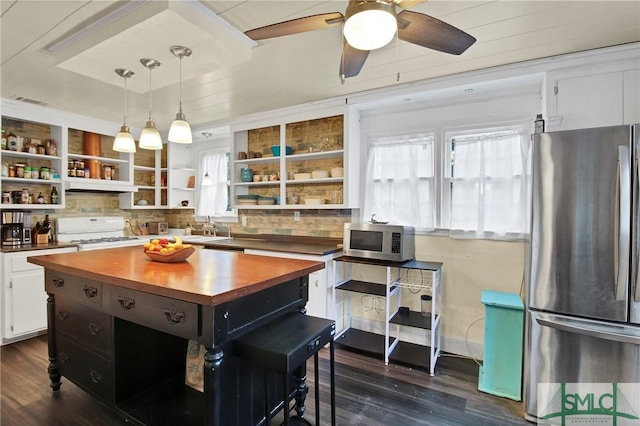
(368, 393)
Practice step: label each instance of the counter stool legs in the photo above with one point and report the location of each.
(316, 387)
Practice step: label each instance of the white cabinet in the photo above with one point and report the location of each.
(321, 141)
(36, 136)
(181, 176)
(585, 97)
(590, 101)
(148, 171)
(320, 287)
(24, 301)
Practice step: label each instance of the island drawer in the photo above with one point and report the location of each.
(86, 369)
(84, 325)
(172, 316)
(73, 287)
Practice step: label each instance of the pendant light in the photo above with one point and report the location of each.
(150, 137)
(206, 180)
(124, 141)
(180, 131)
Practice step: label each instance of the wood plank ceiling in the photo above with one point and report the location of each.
(287, 70)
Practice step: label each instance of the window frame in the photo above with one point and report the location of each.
(199, 152)
(441, 165)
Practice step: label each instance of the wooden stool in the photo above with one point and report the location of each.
(284, 345)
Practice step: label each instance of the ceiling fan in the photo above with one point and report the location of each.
(371, 24)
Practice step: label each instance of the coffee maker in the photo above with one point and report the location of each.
(15, 228)
(12, 234)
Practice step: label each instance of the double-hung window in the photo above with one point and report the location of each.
(484, 185)
(213, 187)
(400, 180)
(468, 181)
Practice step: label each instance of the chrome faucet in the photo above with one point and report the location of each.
(208, 226)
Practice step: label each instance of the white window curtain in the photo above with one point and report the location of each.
(488, 192)
(399, 181)
(212, 199)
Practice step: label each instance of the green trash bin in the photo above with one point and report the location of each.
(501, 371)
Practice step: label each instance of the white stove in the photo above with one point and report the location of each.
(94, 233)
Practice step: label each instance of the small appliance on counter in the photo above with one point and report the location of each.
(393, 243)
(158, 228)
(12, 234)
(15, 228)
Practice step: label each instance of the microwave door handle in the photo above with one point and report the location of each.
(623, 196)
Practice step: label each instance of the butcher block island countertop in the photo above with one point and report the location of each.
(208, 277)
(119, 325)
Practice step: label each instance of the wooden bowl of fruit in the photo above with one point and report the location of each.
(165, 250)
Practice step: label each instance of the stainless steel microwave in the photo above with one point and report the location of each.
(394, 243)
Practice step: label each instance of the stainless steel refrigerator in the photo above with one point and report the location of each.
(582, 293)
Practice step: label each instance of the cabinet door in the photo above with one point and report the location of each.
(29, 303)
(318, 294)
(590, 101)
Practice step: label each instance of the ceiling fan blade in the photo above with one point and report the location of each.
(295, 26)
(430, 32)
(406, 4)
(352, 61)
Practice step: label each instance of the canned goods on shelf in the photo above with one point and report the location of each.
(19, 170)
(44, 173)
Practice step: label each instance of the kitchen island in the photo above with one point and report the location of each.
(119, 325)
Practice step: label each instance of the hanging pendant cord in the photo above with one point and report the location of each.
(150, 94)
(397, 57)
(124, 121)
(180, 84)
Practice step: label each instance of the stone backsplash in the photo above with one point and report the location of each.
(312, 223)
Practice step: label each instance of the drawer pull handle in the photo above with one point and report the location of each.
(90, 291)
(95, 329)
(126, 302)
(58, 282)
(64, 315)
(64, 357)
(95, 377)
(174, 316)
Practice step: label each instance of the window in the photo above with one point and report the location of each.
(484, 184)
(213, 196)
(400, 180)
(470, 181)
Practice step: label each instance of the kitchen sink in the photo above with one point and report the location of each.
(201, 239)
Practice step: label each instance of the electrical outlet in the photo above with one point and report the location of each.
(244, 221)
(296, 216)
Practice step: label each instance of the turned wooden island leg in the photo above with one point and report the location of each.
(301, 390)
(53, 370)
(213, 385)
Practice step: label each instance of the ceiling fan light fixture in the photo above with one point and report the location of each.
(180, 131)
(370, 25)
(124, 141)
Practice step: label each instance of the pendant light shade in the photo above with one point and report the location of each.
(206, 180)
(124, 141)
(150, 137)
(180, 131)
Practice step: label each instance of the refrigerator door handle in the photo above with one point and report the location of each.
(624, 223)
(635, 282)
(613, 332)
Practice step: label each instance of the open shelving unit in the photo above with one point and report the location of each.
(389, 344)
